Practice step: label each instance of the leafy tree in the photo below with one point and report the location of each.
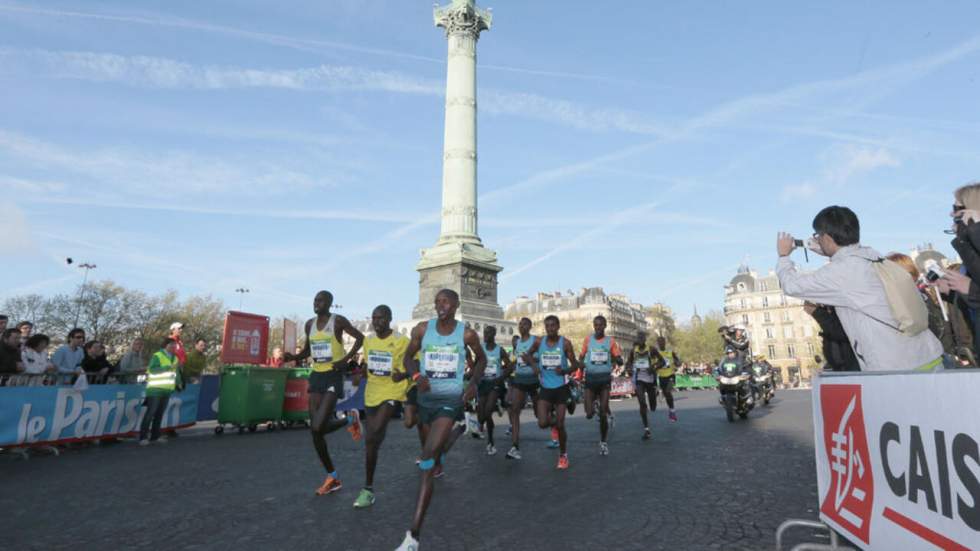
(700, 342)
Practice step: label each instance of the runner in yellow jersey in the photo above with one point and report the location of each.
(324, 344)
(384, 354)
(667, 362)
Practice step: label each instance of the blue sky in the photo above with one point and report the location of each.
(646, 147)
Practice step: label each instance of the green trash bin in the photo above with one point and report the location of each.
(250, 396)
(295, 404)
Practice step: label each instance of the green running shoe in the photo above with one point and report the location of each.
(364, 499)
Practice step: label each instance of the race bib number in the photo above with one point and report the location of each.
(729, 369)
(492, 368)
(642, 363)
(379, 363)
(441, 362)
(551, 360)
(599, 356)
(322, 352)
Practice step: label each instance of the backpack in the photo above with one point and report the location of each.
(904, 299)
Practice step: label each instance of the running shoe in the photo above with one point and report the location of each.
(161, 440)
(563, 461)
(554, 439)
(603, 448)
(438, 472)
(491, 449)
(354, 428)
(646, 434)
(364, 499)
(514, 453)
(418, 460)
(144, 442)
(672, 416)
(330, 485)
(509, 430)
(409, 543)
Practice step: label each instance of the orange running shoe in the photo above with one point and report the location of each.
(355, 427)
(330, 485)
(563, 461)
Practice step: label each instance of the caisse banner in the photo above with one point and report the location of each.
(898, 458)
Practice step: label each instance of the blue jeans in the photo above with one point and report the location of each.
(155, 406)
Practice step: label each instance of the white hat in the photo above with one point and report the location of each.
(176, 325)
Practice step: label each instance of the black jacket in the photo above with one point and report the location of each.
(836, 346)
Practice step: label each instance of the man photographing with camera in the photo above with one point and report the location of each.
(857, 282)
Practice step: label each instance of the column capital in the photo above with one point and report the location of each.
(462, 16)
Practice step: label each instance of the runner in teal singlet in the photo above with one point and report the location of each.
(442, 344)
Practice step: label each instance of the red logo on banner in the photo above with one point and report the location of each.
(245, 339)
(851, 492)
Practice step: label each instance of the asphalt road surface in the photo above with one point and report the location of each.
(700, 483)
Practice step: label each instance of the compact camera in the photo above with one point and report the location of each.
(934, 272)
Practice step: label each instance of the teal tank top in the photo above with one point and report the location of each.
(524, 373)
(494, 366)
(598, 357)
(550, 359)
(443, 363)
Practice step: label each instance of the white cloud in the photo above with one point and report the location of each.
(858, 161)
(123, 170)
(16, 231)
(155, 72)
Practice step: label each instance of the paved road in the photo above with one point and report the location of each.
(701, 483)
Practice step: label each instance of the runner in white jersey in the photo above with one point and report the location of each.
(645, 380)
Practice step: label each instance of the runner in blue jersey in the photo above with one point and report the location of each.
(599, 353)
(523, 384)
(491, 386)
(442, 344)
(554, 358)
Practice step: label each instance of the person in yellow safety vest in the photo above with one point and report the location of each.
(162, 379)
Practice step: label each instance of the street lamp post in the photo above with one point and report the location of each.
(241, 295)
(81, 291)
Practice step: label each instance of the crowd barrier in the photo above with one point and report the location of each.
(898, 458)
(45, 414)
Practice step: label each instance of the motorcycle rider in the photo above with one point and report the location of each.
(761, 368)
(731, 359)
(739, 340)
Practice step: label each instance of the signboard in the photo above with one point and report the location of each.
(245, 339)
(48, 414)
(622, 386)
(289, 339)
(898, 458)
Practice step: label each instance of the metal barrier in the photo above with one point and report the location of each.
(799, 523)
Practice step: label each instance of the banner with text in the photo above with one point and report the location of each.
(45, 414)
(898, 458)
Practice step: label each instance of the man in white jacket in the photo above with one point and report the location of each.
(850, 284)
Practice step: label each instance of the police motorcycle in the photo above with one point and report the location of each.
(733, 383)
(762, 383)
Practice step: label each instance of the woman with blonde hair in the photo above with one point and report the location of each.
(966, 227)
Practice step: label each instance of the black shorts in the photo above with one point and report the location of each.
(645, 386)
(598, 382)
(555, 396)
(322, 382)
(666, 383)
(428, 414)
(412, 399)
(487, 386)
(371, 411)
(527, 388)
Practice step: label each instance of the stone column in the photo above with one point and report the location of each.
(463, 22)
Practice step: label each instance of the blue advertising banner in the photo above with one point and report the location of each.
(42, 414)
(207, 403)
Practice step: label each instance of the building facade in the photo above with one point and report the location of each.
(625, 318)
(778, 327)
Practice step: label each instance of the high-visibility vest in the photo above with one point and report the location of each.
(166, 377)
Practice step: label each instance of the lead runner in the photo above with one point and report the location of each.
(443, 343)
